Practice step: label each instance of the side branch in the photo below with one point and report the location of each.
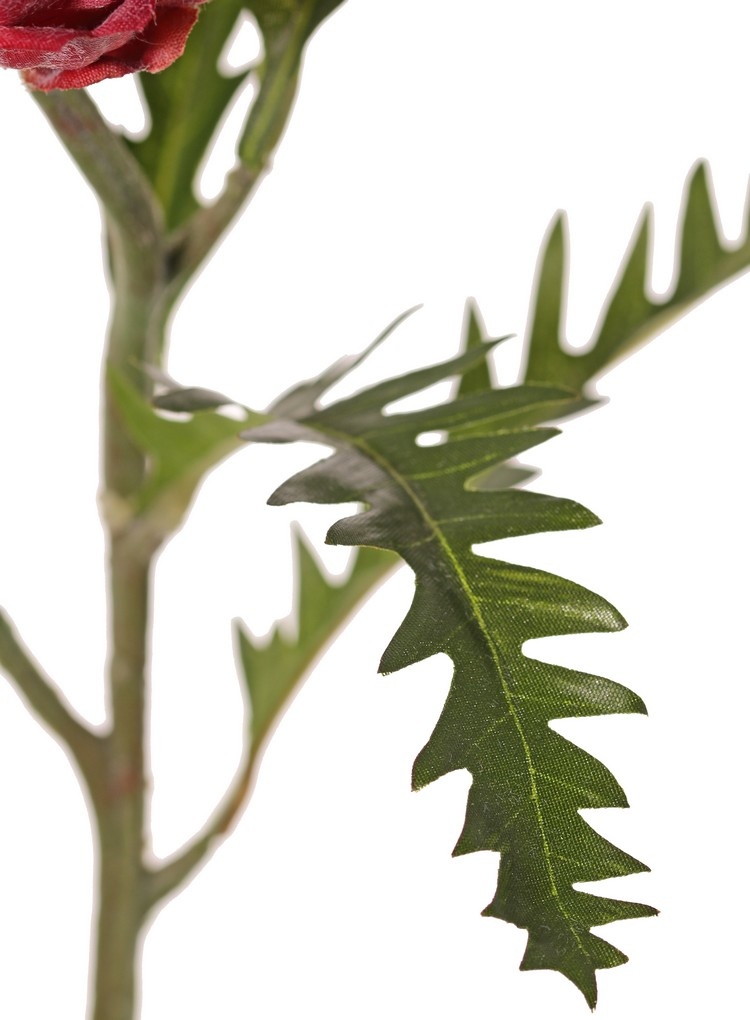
(190, 246)
(161, 881)
(48, 705)
(105, 160)
(272, 674)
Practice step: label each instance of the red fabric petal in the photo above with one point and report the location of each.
(129, 16)
(165, 39)
(75, 43)
(53, 47)
(13, 10)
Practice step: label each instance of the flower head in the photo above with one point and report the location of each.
(68, 44)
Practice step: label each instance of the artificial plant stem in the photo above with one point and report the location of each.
(138, 280)
(140, 275)
(148, 275)
(121, 817)
(137, 265)
(163, 881)
(106, 162)
(135, 234)
(84, 746)
(120, 814)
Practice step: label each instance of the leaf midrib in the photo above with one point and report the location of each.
(402, 482)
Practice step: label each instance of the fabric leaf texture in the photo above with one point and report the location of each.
(431, 504)
(70, 44)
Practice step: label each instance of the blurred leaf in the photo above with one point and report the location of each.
(272, 670)
(529, 783)
(273, 13)
(303, 398)
(189, 399)
(630, 316)
(474, 335)
(181, 452)
(188, 100)
(186, 103)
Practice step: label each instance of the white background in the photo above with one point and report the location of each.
(429, 148)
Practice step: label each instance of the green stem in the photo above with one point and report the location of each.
(149, 272)
(111, 169)
(42, 698)
(120, 813)
(138, 268)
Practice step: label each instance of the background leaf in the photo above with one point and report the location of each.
(186, 103)
(703, 262)
(188, 100)
(272, 669)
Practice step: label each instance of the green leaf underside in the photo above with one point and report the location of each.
(189, 399)
(630, 317)
(529, 783)
(273, 670)
(181, 452)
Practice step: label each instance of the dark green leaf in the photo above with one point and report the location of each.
(630, 316)
(481, 377)
(474, 335)
(529, 783)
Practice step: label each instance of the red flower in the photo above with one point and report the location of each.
(68, 44)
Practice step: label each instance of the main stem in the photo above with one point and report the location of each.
(149, 270)
(135, 333)
(120, 821)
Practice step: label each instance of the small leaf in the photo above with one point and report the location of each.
(273, 670)
(302, 399)
(190, 399)
(181, 452)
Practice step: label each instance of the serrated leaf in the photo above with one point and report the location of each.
(181, 452)
(272, 670)
(302, 399)
(186, 102)
(478, 378)
(474, 335)
(528, 781)
(630, 317)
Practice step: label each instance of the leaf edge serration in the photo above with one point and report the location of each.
(415, 498)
